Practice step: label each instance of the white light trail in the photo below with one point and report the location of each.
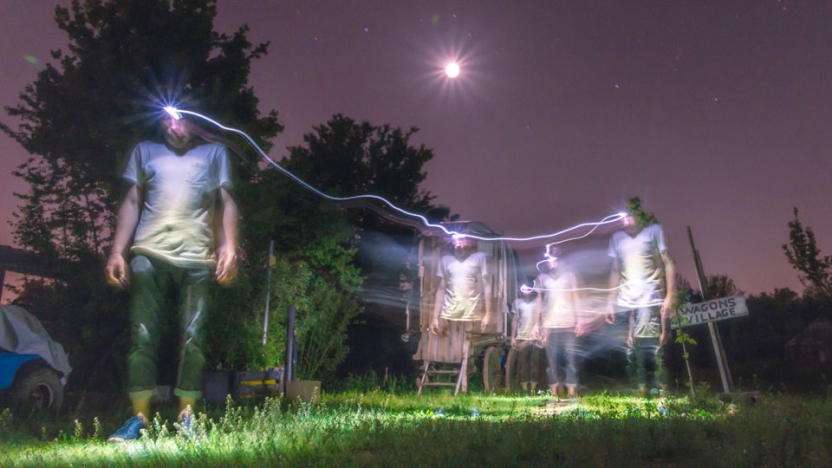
(178, 113)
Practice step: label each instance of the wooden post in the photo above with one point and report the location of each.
(289, 367)
(721, 360)
(268, 291)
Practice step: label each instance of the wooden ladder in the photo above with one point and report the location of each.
(461, 373)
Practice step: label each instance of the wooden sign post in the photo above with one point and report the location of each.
(721, 361)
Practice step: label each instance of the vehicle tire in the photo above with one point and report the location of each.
(512, 382)
(492, 369)
(37, 389)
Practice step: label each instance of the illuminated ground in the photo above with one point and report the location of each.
(379, 429)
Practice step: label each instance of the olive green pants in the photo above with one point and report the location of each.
(159, 289)
(646, 359)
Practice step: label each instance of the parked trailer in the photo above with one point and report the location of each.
(458, 353)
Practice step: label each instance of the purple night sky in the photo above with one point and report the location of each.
(716, 113)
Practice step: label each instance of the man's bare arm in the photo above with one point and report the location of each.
(128, 219)
(514, 323)
(487, 320)
(580, 320)
(228, 239)
(670, 297)
(670, 283)
(439, 298)
(615, 281)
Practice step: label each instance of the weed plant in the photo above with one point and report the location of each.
(379, 428)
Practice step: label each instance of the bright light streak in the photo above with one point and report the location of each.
(578, 289)
(173, 112)
(177, 114)
(452, 70)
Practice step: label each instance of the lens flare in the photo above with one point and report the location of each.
(173, 112)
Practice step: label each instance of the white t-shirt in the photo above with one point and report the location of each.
(464, 296)
(640, 266)
(525, 319)
(179, 195)
(558, 307)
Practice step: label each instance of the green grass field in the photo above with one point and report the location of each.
(402, 430)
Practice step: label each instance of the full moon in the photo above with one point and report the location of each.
(452, 70)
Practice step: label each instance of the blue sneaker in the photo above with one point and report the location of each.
(131, 430)
(187, 424)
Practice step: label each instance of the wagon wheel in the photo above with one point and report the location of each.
(512, 380)
(37, 390)
(492, 369)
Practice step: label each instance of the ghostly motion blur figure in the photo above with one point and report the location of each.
(178, 225)
(464, 290)
(644, 271)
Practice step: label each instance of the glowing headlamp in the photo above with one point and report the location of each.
(173, 112)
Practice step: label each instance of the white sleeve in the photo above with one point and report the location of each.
(133, 170)
(611, 250)
(224, 168)
(484, 265)
(660, 242)
(440, 272)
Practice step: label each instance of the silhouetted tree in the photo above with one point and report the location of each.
(343, 158)
(804, 256)
(80, 118)
(683, 286)
(318, 240)
(721, 286)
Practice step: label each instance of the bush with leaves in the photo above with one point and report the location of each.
(312, 269)
(325, 306)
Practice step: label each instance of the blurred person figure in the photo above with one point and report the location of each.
(463, 295)
(525, 337)
(641, 283)
(178, 227)
(560, 326)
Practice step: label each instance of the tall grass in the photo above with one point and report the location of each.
(401, 430)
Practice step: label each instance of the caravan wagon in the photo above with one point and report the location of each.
(450, 359)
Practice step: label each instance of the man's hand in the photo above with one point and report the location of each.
(630, 341)
(486, 322)
(117, 273)
(664, 338)
(227, 266)
(128, 218)
(580, 329)
(610, 317)
(435, 328)
(513, 343)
